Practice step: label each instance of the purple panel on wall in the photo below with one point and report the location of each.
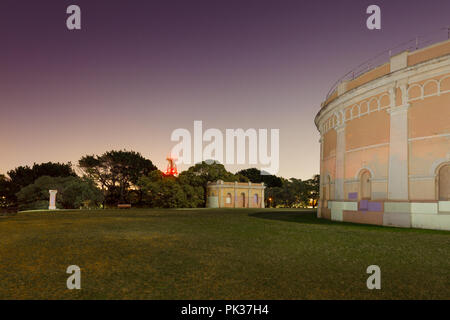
(353, 196)
(364, 205)
(375, 207)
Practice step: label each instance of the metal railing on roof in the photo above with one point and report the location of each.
(384, 57)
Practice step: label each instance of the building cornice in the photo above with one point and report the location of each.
(422, 71)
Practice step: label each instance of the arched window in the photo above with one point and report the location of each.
(228, 199)
(444, 183)
(365, 185)
(255, 199)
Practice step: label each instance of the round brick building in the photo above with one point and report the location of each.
(385, 143)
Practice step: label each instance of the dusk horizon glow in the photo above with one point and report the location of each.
(138, 71)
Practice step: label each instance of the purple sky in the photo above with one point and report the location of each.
(140, 69)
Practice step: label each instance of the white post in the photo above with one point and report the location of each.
(52, 202)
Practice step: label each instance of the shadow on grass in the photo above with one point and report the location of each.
(310, 218)
(304, 217)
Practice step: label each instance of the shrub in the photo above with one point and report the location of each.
(73, 193)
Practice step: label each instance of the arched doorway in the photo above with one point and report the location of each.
(365, 185)
(243, 200)
(255, 200)
(444, 183)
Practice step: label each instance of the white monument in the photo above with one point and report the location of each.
(52, 202)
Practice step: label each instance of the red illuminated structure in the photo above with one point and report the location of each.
(171, 167)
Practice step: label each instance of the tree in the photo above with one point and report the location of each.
(167, 192)
(297, 195)
(200, 174)
(116, 172)
(4, 191)
(73, 193)
(255, 175)
(81, 192)
(313, 189)
(195, 196)
(23, 176)
(294, 193)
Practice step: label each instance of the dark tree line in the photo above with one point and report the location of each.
(281, 192)
(23, 176)
(294, 193)
(116, 177)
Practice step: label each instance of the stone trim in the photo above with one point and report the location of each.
(373, 146)
(443, 135)
(384, 84)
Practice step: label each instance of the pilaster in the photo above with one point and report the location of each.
(340, 163)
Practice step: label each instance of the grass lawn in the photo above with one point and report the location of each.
(216, 254)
